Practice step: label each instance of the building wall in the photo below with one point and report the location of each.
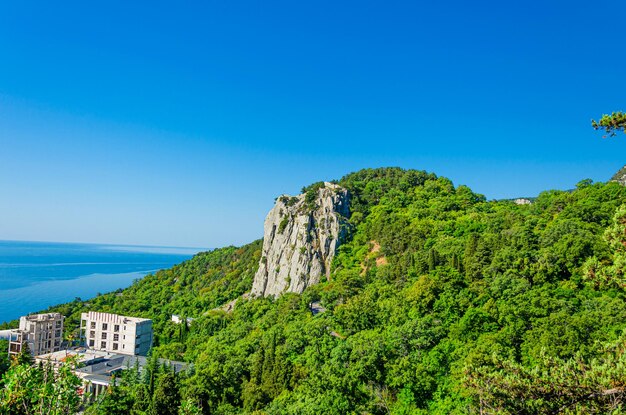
(116, 334)
(143, 337)
(42, 332)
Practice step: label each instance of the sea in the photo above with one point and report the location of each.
(37, 275)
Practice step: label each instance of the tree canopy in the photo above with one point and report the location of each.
(441, 302)
(611, 124)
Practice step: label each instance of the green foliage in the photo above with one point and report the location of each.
(573, 386)
(24, 357)
(39, 389)
(114, 402)
(189, 407)
(192, 289)
(610, 272)
(289, 201)
(434, 282)
(283, 224)
(166, 398)
(153, 391)
(310, 193)
(611, 124)
(4, 357)
(312, 188)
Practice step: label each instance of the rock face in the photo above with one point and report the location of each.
(301, 236)
(620, 176)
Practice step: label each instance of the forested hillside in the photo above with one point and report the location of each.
(441, 302)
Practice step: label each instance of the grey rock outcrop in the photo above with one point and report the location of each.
(620, 176)
(301, 235)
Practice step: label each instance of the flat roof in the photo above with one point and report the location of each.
(99, 366)
(82, 355)
(111, 318)
(98, 379)
(43, 317)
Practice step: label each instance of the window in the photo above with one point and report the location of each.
(103, 345)
(58, 324)
(57, 333)
(91, 343)
(116, 327)
(114, 346)
(105, 326)
(116, 337)
(123, 346)
(83, 323)
(92, 333)
(93, 325)
(104, 335)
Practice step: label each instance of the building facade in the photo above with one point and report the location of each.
(116, 334)
(43, 333)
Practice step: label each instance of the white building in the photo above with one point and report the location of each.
(523, 201)
(176, 319)
(42, 332)
(116, 334)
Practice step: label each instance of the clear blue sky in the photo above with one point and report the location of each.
(177, 123)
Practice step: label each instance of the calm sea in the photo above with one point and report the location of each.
(36, 275)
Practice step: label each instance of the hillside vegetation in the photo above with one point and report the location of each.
(441, 302)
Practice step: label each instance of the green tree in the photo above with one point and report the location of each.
(611, 124)
(39, 389)
(189, 407)
(553, 385)
(611, 272)
(24, 357)
(166, 398)
(4, 357)
(114, 402)
(395, 335)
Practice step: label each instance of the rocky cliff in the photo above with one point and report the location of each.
(301, 235)
(620, 176)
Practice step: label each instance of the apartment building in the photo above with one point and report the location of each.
(42, 332)
(116, 334)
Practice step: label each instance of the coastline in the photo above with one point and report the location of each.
(37, 275)
(16, 302)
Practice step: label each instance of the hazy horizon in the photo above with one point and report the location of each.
(111, 245)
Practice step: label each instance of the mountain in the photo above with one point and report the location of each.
(300, 238)
(421, 297)
(620, 176)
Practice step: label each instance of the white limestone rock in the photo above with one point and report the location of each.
(300, 240)
(620, 176)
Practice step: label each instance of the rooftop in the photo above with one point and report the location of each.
(99, 366)
(82, 355)
(112, 318)
(43, 317)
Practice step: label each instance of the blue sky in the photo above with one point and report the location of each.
(178, 123)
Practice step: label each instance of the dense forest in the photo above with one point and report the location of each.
(439, 302)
